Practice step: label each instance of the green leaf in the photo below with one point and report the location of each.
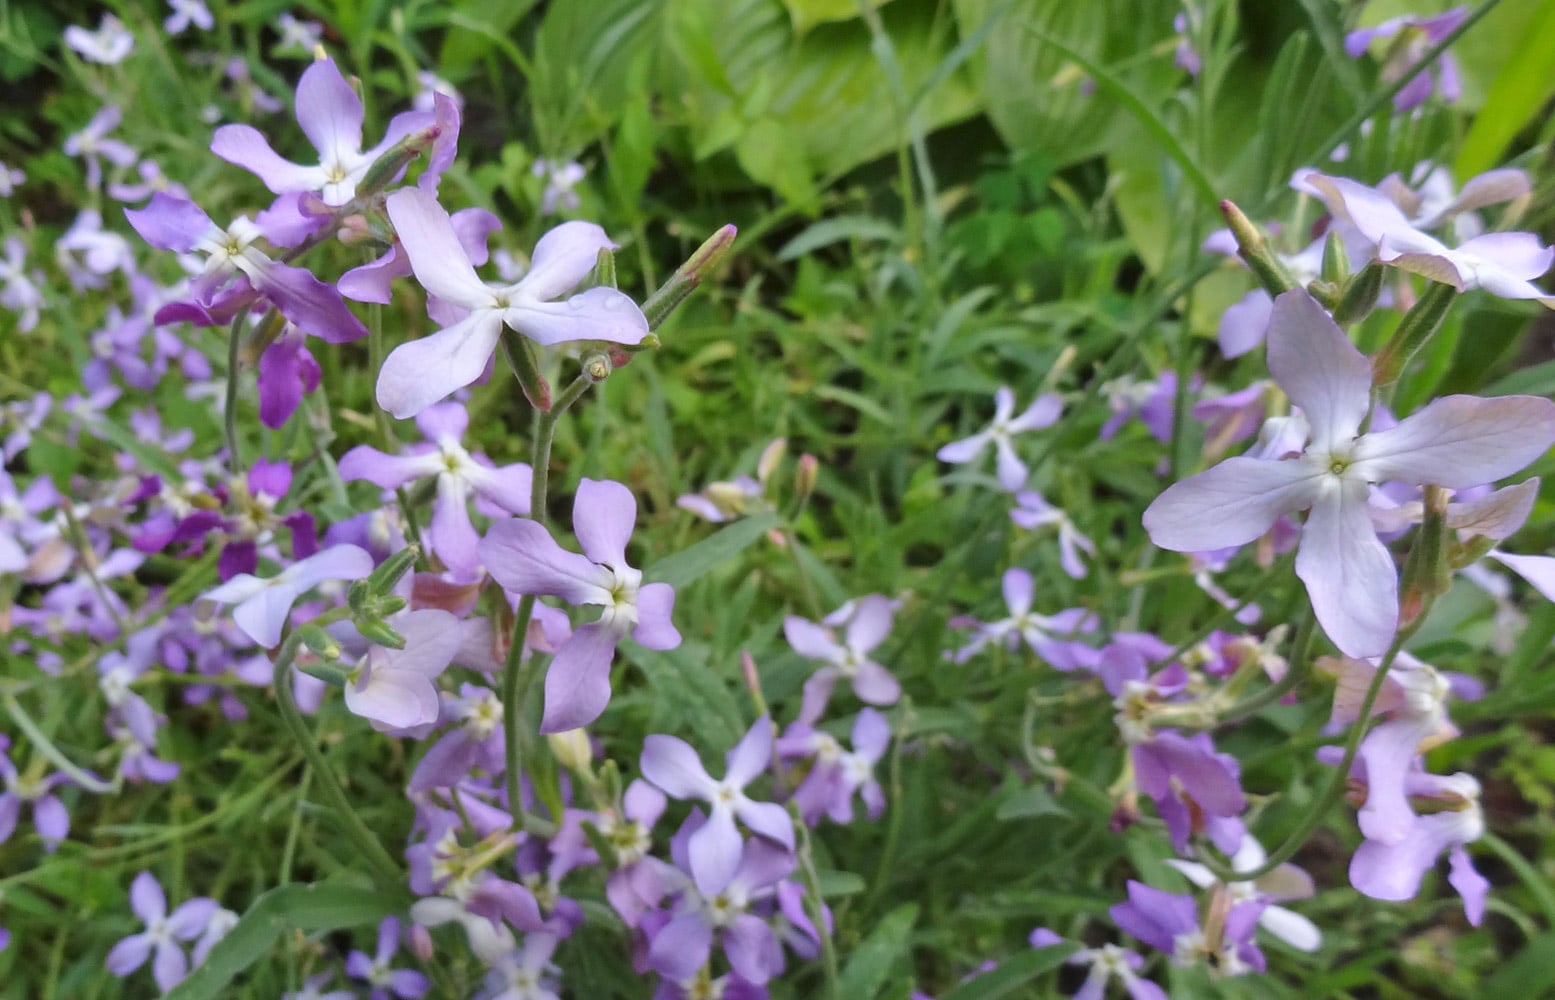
(689, 693)
(150, 458)
(835, 230)
(1523, 86)
(299, 906)
(1029, 802)
(873, 959)
(1013, 973)
(1529, 973)
(834, 884)
(722, 545)
(806, 14)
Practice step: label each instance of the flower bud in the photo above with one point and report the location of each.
(1254, 249)
(597, 367)
(688, 276)
(1336, 263)
(805, 472)
(771, 455)
(384, 579)
(605, 269)
(378, 632)
(319, 641)
(1417, 327)
(396, 158)
(1360, 295)
(330, 673)
(520, 354)
(572, 750)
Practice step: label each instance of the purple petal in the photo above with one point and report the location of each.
(577, 684)
(770, 820)
(418, 373)
(50, 819)
(597, 314)
(752, 949)
(129, 954)
(874, 684)
(562, 259)
(386, 471)
(603, 515)
(190, 919)
(522, 556)
(1349, 573)
(655, 605)
(315, 307)
(243, 146)
(1230, 504)
(1460, 441)
(169, 965)
(397, 699)
(812, 641)
(436, 255)
(1243, 325)
(329, 112)
(671, 764)
(1471, 885)
(1319, 369)
(146, 898)
(681, 947)
(715, 852)
(871, 622)
(169, 223)
(451, 534)
(1017, 585)
(749, 757)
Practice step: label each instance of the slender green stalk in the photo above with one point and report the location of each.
(386, 868)
(815, 908)
(52, 753)
(229, 412)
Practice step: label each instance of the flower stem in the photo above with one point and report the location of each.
(815, 907)
(388, 871)
(229, 412)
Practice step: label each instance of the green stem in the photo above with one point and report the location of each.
(229, 413)
(815, 908)
(367, 844)
(1335, 790)
(52, 753)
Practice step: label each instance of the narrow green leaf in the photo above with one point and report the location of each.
(873, 959)
(835, 230)
(1329, 29)
(150, 458)
(1141, 112)
(1523, 86)
(299, 906)
(722, 545)
(835, 884)
(1012, 974)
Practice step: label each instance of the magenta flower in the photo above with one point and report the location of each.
(868, 623)
(459, 475)
(287, 372)
(263, 605)
(1455, 442)
(421, 372)
(715, 848)
(1195, 788)
(523, 557)
(159, 941)
(330, 114)
(1044, 411)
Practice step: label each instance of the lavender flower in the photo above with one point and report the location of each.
(1420, 34)
(185, 13)
(1170, 922)
(263, 605)
(1044, 411)
(108, 45)
(1106, 963)
(868, 623)
(715, 847)
(159, 941)
(523, 557)
(407, 984)
(1047, 636)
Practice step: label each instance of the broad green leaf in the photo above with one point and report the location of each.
(806, 14)
(297, 906)
(722, 545)
(835, 884)
(1012, 974)
(1523, 85)
(872, 960)
(689, 693)
(1529, 973)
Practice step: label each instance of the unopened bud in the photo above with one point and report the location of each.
(520, 354)
(319, 641)
(771, 455)
(420, 937)
(688, 276)
(1417, 327)
(597, 367)
(378, 632)
(1254, 249)
(1360, 295)
(572, 750)
(387, 167)
(753, 683)
(332, 674)
(605, 269)
(1336, 263)
(388, 574)
(806, 470)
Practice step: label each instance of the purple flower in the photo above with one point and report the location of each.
(868, 623)
(1429, 200)
(1195, 788)
(108, 45)
(525, 973)
(396, 689)
(287, 372)
(330, 114)
(1285, 883)
(523, 557)
(560, 176)
(185, 13)
(1170, 922)
(836, 775)
(1047, 636)
(715, 849)
(421, 372)
(48, 812)
(19, 291)
(1456, 442)
(1032, 511)
(1420, 35)
(93, 145)
(236, 273)
(1106, 963)
(263, 605)
(1151, 401)
(159, 941)
(1503, 264)
(681, 947)
(458, 473)
(1044, 411)
(407, 984)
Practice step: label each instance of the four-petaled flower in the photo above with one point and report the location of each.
(1043, 412)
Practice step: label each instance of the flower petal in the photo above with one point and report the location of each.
(244, 146)
(1349, 573)
(1230, 504)
(603, 515)
(522, 556)
(419, 373)
(577, 683)
(437, 256)
(329, 113)
(1319, 369)
(562, 259)
(671, 764)
(1460, 441)
(597, 314)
